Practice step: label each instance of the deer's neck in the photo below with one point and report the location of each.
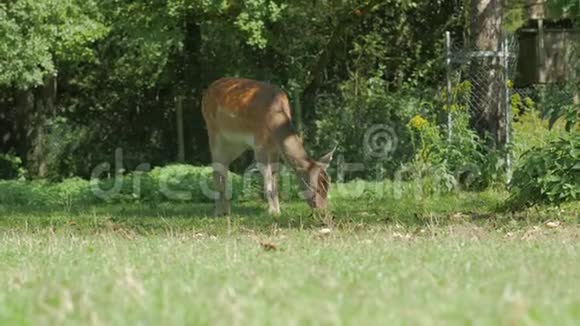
(292, 149)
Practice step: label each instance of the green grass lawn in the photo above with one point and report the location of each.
(447, 260)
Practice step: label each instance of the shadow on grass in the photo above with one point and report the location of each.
(148, 217)
(153, 217)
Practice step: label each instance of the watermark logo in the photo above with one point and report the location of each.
(380, 142)
(378, 145)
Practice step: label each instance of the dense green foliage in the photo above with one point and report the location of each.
(80, 80)
(10, 167)
(173, 183)
(549, 174)
(120, 67)
(38, 35)
(568, 8)
(100, 225)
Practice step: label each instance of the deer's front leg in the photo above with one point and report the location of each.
(275, 192)
(271, 190)
(268, 169)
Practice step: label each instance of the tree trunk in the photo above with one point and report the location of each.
(179, 122)
(192, 77)
(20, 115)
(487, 79)
(34, 108)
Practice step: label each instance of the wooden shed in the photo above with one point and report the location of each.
(547, 48)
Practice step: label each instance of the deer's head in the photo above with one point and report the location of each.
(316, 182)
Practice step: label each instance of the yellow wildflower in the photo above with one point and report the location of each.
(418, 122)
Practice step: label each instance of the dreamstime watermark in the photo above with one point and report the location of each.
(379, 144)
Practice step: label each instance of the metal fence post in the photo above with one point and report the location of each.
(449, 88)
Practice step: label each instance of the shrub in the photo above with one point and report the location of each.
(11, 167)
(42, 193)
(548, 175)
(368, 123)
(178, 182)
(557, 102)
(445, 162)
(531, 130)
(414, 135)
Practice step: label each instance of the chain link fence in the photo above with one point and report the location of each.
(487, 80)
(480, 82)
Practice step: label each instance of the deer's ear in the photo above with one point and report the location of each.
(327, 158)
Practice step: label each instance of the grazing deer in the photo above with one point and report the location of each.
(242, 114)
